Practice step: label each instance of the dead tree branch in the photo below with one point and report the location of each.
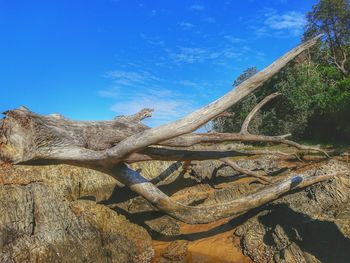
(262, 178)
(139, 116)
(246, 122)
(207, 214)
(196, 119)
(27, 137)
(193, 139)
(166, 154)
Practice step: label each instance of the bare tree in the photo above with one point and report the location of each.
(107, 146)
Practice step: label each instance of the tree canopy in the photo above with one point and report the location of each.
(315, 89)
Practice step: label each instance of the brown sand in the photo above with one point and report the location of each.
(216, 248)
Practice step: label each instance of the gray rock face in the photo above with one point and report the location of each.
(312, 225)
(40, 221)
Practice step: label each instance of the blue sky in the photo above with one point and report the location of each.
(95, 59)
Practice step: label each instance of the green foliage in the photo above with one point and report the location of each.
(246, 74)
(315, 100)
(332, 19)
(302, 92)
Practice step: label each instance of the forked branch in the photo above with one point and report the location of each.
(207, 214)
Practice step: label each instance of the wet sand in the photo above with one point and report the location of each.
(213, 248)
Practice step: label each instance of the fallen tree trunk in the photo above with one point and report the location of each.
(30, 138)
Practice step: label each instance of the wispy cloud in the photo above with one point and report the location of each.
(167, 107)
(291, 21)
(276, 24)
(130, 78)
(190, 83)
(190, 55)
(133, 90)
(196, 7)
(186, 25)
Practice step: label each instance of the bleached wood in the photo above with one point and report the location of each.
(27, 137)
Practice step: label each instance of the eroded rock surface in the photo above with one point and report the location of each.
(42, 219)
(312, 225)
(66, 214)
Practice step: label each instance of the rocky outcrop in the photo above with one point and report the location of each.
(312, 225)
(63, 213)
(43, 219)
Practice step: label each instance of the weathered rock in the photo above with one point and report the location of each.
(176, 251)
(308, 226)
(72, 182)
(50, 214)
(215, 169)
(40, 220)
(164, 225)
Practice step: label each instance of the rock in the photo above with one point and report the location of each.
(176, 251)
(164, 225)
(110, 224)
(212, 169)
(72, 182)
(62, 213)
(41, 220)
(311, 225)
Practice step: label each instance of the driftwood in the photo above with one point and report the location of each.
(107, 146)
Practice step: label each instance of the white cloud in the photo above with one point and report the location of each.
(167, 108)
(196, 7)
(190, 55)
(292, 21)
(186, 25)
(189, 83)
(275, 24)
(230, 53)
(130, 78)
(133, 90)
